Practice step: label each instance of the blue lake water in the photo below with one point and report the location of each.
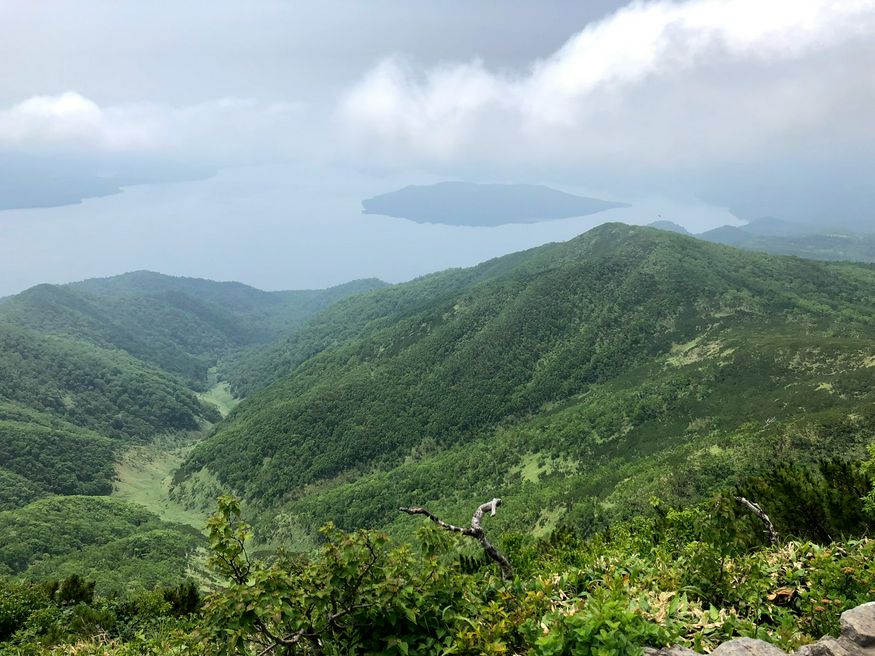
(276, 228)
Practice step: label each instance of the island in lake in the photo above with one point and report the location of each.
(483, 205)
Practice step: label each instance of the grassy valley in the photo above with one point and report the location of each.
(105, 385)
(143, 474)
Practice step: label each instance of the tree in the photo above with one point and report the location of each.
(475, 531)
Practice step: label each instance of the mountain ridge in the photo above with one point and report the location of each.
(623, 308)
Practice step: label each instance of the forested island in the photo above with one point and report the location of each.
(483, 205)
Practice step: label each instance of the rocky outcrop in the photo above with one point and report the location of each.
(858, 625)
(747, 647)
(857, 639)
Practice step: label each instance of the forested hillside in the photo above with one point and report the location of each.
(65, 535)
(182, 325)
(67, 406)
(574, 378)
(91, 370)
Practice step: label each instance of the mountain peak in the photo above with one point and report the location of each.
(669, 226)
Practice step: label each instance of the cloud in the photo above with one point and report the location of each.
(70, 120)
(216, 132)
(654, 84)
(61, 149)
(692, 95)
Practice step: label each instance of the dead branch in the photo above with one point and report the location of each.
(475, 531)
(755, 508)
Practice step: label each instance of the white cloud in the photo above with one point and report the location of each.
(654, 83)
(71, 120)
(216, 132)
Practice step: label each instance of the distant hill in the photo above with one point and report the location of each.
(181, 325)
(469, 204)
(783, 240)
(769, 226)
(671, 226)
(574, 380)
(28, 181)
(729, 235)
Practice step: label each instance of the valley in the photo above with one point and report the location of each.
(105, 386)
(143, 475)
(588, 384)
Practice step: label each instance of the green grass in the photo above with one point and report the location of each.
(535, 465)
(220, 396)
(143, 476)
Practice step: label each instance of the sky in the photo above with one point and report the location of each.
(242, 136)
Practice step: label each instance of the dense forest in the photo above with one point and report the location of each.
(575, 378)
(182, 325)
(619, 393)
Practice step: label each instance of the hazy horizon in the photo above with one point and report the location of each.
(241, 143)
(129, 232)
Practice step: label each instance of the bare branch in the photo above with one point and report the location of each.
(755, 508)
(476, 532)
(491, 506)
(416, 510)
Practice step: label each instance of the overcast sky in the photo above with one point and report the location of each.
(298, 110)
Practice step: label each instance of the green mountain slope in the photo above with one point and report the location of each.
(66, 407)
(355, 316)
(262, 315)
(59, 536)
(181, 325)
(555, 377)
(96, 388)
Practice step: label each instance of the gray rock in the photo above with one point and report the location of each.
(747, 647)
(829, 647)
(677, 650)
(815, 649)
(858, 625)
(857, 639)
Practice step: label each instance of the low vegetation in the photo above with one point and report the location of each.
(694, 576)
